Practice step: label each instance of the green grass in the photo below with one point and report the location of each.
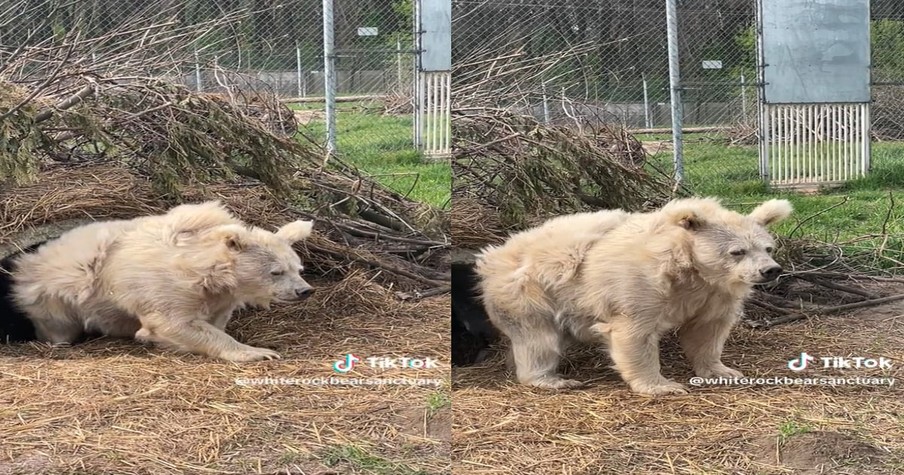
(290, 457)
(860, 206)
(437, 401)
(858, 216)
(789, 429)
(363, 460)
(381, 147)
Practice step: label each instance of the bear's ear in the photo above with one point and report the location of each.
(689, 220)
(234, 241)
(686, 216)
(296, 231)
(690, 213)
(233, 236)
(771, 211)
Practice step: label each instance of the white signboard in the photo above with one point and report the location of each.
(367, 31)
(712, 65)
(815, 51)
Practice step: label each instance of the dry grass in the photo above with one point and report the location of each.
(111, 406)
(474, 225)
(501, 427)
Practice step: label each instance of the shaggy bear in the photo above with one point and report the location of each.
(624, 280)
(173, 279)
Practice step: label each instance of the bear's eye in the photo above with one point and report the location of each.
(769, 249)
(277, 272)
(738, 252)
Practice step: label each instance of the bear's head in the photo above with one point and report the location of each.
(727, 248)
(266, 267)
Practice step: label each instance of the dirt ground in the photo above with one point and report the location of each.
(118, 407)
(500, 427)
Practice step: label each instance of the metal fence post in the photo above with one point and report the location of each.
(743, 99)
(299, 73)
(671, 15)
(329, 75)
(647, 120)
(545, 104)
(418, 101)
(399, 63)
(198, 86)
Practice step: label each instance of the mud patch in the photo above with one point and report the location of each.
(818, 452)
(421, 422)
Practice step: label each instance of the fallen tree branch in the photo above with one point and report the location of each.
(67, 103)
(389, 268)
(861, 304)
(788, 318)
(848, 276)
(834, 286)
(383, 236)
(417, 295)
(770, 307)
(793, 316)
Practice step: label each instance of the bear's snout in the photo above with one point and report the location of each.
(771, 273)
(304, 292)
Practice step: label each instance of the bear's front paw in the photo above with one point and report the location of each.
(658, 387)
(719, 370)
(550, 382)
(249, 353)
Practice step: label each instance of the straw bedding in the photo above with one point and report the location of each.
(502, 427)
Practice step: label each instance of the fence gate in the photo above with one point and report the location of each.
(814, 66)
(433, 34)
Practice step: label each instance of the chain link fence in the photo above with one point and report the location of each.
(887, 41)
(581, 63)
(564, 60)
(610, 57)
(231, 47)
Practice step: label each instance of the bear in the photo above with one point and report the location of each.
(625, 283)
(173, 279)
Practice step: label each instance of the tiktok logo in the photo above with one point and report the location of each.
(346, 364)
(800, 364)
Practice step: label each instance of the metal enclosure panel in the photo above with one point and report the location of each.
(436, 35)
(815, 51)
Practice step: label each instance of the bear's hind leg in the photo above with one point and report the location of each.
(55, 323)
(536, 356)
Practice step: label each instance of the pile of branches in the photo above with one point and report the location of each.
(824, 278)
(69, 196)
(117, 138)
(821, 290)
(512, 172)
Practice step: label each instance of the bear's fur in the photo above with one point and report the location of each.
(625, 280)
(174, 279)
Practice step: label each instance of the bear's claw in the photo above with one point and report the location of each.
(250, 353)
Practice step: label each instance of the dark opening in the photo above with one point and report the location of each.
(472, 332)
(15, 327)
